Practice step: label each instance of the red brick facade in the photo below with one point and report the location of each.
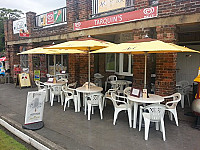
(79, 10)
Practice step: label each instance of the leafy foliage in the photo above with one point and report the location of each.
(6, 14)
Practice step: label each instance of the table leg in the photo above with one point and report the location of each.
(79, 101)
(135, 114)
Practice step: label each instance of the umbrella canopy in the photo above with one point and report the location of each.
(144, 46)
(41, 50)
(87, 44)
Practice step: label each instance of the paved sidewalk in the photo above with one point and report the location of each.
(70, 130)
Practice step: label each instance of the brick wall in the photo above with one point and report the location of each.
(166, 63)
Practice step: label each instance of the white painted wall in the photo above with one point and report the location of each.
(187, 66)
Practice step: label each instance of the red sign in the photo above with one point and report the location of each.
(50, 18)
(24, 34)
(3, 59)
(141, 14)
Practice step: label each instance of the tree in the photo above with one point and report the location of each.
(6, 14)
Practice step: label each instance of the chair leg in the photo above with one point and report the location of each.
(130, 117)
(140, 120)
(65, 103)
(101, 110)
(163, 129)
(52, 97)
(76, 103)
(182, 101)
(147, 123)
(93, 110)
(62, 98)
(68, 104)
(115, 116)
(174, 112)
(188, 98)
(89, 111)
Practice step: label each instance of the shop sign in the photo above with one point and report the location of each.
(50, 18)
(106, 5)
(141, 14)
(34, 107)
(19, 25)
(23, 33)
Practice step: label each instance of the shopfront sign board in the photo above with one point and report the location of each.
(141, 14)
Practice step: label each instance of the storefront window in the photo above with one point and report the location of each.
(121, 64)
(110, 62)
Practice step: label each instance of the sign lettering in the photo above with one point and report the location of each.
(117, 19)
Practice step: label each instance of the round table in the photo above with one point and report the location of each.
(152, 99)
(86, 90)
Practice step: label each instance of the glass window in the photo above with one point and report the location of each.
(117, 62)
(51, 62)
(110, 62)
(125, 63)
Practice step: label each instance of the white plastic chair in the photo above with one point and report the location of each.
(122, 85)
(110, 78)
(86, 84)
(184, 88)
(121, 105)
(108, 95)
(94, 99)
(63, 80)
(39, 85)
(155, 114)
(97, 79)
(55, 91)
(171, 105)
(69, 93)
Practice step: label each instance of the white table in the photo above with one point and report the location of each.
(86, 90)
(152, 99)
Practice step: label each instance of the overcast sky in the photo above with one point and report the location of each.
(37, 6)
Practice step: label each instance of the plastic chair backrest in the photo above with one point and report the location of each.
(156, 111)
(95, 98)
(97, 75)
(86, 84)
(183, 83)
(72, 85)
(56, 89)
(116, 99)
(63, 80)
(176, 98)
(127, 91)
(112, 78)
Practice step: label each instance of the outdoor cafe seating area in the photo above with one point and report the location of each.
(92, 98)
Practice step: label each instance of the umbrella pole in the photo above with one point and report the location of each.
(54, 60)
(89, 68)
(145, 71)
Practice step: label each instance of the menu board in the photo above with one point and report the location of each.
(24, 80)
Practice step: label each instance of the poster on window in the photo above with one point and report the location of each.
(34, 107)
(36, 75)
(107, 5)
(50, 18)
(19, 25)
(58, 16)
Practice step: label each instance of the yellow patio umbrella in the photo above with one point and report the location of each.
(41, 50)
(87, 44)
(144, 47)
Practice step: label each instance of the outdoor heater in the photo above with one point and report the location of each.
(196, 103)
